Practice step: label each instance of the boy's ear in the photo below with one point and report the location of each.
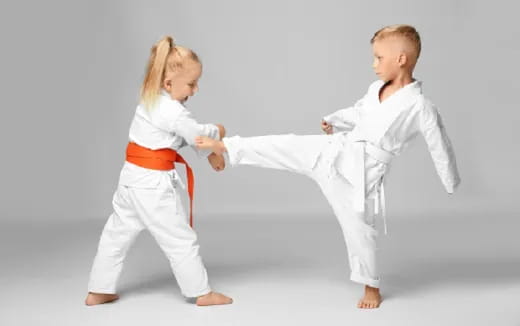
(401, 60)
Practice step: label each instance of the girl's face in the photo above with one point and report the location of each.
(184, 82)
(386, 59)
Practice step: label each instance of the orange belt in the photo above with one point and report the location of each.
(160, 159)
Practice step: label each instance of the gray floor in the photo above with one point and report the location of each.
(437, 270)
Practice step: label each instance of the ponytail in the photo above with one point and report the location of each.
(155, 71)
(165, 58)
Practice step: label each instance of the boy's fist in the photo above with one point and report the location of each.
(326, 127)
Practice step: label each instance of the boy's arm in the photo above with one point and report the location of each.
(342, 120)
(439, 145)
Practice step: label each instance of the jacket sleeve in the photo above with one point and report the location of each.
(186, 127)
(344, 119)
(439, 145)
(177, 119)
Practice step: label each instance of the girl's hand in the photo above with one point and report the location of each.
(326, 127)
(217, 162)
(221, 130)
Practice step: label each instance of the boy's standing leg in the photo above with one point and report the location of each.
(358, 230)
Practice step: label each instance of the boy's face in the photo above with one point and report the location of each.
(386, 58)
(184, 83)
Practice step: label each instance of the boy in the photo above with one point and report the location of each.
(349, 164)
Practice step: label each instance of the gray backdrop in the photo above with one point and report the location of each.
(71, 74)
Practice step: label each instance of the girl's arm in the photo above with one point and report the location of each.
(217, 161)
(188, 128)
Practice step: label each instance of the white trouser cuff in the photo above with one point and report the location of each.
(231, 149)
(364, 280)
(94, 289)
(198, 293)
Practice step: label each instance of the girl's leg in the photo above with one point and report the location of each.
(119, 233)
(162, 212)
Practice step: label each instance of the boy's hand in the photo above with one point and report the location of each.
(326, 127)
(217, 162)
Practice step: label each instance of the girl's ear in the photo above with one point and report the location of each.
(167, 85)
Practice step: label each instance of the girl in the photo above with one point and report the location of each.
(148, 195)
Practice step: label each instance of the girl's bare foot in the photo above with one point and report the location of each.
(216, 146)
(99, 298)
(213, 298)
(371, 299)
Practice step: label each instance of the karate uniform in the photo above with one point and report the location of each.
(350, 165)
(150, 199)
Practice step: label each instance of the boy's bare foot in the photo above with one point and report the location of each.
(216, 146)
(99, 298)
(213, 298)
(371, 299)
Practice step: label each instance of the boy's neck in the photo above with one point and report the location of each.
(401, 80)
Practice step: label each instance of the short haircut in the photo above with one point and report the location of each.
(409, 33)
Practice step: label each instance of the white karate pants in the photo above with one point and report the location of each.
(314, 156)
(160, 211)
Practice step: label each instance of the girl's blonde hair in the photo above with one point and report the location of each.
(165, 59)
(408, 32)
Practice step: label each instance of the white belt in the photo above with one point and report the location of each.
(380, 155)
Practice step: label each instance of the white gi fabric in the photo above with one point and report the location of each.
(150, 199)
(349, 166)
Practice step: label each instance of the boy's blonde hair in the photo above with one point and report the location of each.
(408, 32)
(165, 59)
